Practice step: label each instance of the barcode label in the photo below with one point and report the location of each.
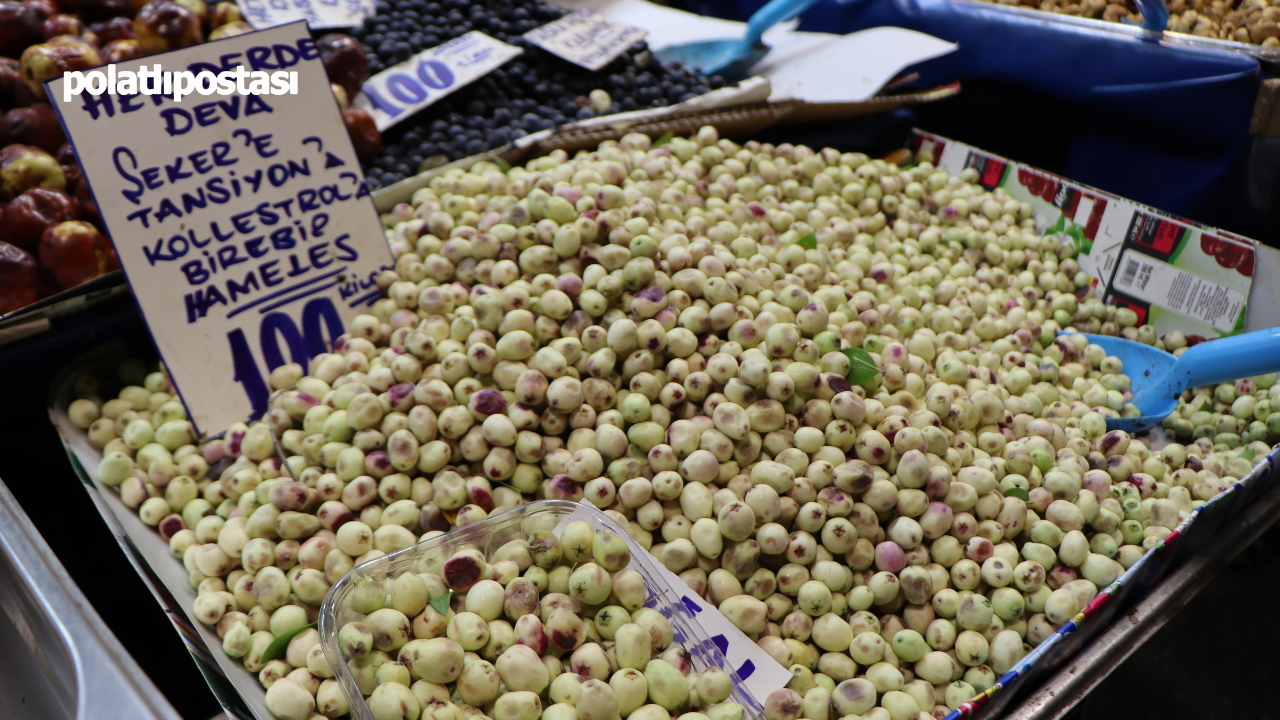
(1159, 283)
(1130, 272)
(1135, 274)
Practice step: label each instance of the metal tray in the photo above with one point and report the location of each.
(235, 688)
(59, 661)
(66, 302)
(1052, 681)
(1174, 39)
(1049, 684)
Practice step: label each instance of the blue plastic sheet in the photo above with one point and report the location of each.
(1161, 123)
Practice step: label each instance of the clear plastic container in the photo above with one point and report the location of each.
(685, 614)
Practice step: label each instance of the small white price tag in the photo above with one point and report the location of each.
(318, 14)
(242, 221)
(400, 91)
(586, 38)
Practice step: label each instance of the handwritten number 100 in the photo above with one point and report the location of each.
(318, 316)
(408, 89)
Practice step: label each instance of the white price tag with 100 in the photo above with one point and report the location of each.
(400, 91)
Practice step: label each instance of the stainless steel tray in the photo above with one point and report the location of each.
(1151, 592)
(39, 313)
(1173, 39)
(1074, 680)
(236, 689)
(57, 658)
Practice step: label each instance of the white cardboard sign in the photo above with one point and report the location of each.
(402, 90)
(242, 222)
(319, 14)
(586, 38)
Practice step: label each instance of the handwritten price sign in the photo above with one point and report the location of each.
(242, 222)
(587, 38)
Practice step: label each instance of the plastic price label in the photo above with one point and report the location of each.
(712, 640)
(400, 91)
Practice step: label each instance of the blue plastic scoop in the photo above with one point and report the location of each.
(1155, 16)
(734, 58)
(1158, 378)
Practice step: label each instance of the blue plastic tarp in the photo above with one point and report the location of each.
(1162, 123)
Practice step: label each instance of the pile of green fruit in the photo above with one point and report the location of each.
(838, 397)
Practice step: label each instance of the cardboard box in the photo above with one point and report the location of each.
(1176, 274)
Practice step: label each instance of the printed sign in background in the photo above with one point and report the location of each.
(402, 90)
(243, 223)
(1174, 273)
